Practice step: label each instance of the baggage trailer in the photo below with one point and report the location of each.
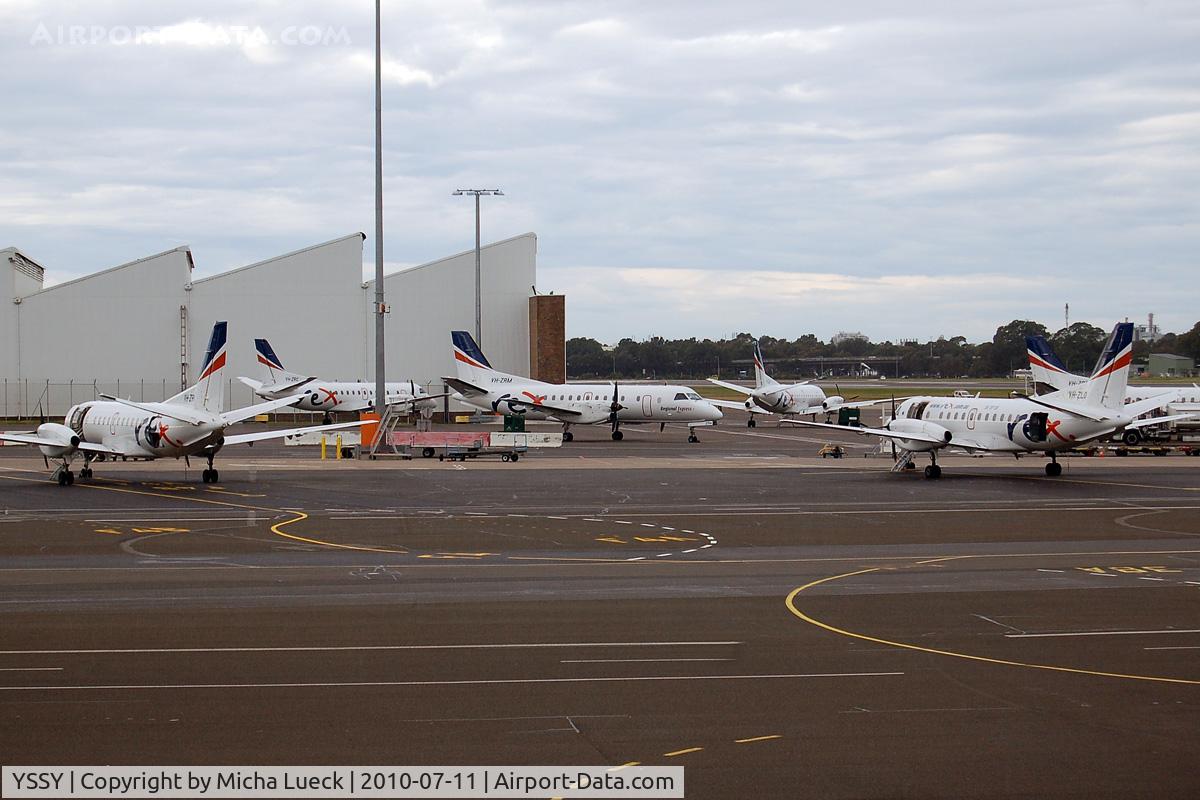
(461, 446)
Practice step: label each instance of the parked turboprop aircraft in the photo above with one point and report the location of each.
(1048, 369)
(771, 397)
(314, 394)
(481, 386)
(188, 424)
(1029, 424)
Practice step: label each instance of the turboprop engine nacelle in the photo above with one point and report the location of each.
(930, 429)
(833, 401)
(772, 401)
(591, 413)
(57, 433)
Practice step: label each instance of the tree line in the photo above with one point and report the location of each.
(1078, 346)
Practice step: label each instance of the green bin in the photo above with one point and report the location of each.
(849, 416)
(514, 423)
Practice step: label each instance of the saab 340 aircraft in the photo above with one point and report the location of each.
(484, 388)
(1048, 369)
(188, 424)
(771, 397)
(314, 394)
(1048, 423)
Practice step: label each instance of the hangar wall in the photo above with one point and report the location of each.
(120, 330)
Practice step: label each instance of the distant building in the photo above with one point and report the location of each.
(1148, 332)
(1165, 365)
(848, 336)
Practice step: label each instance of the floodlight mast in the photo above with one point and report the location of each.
(380, 307)
(478, 282)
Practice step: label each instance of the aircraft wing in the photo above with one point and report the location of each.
(403, 400)
(246, 438)
(33, 439)
(1151, 403)
(463, 388)
(731, 386)
(883, 432)
(175, 413)
(1148, 421)
(570, 412)
(246, 412)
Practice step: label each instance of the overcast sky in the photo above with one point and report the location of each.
(690, 168)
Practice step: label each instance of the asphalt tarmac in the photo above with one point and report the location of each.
(778, 624)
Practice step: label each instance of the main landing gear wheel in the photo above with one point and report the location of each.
(568, 436)
(933, 472)
(1054, 469)
(86, 472)
(617, 436)
(209, 476)
(692, 438)
(66, 478)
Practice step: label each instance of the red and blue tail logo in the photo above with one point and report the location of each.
(466, 351)
(758, 359)
(214, 357)
(1118, 353)
(266, 355)
(1041, 355)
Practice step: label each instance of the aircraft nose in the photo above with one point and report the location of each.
(713, 413)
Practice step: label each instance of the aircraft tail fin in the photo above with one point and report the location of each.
(272, 367)
(208, 393)
(761, 378)
(1045, 364)
(1106, 387)
(472, 365)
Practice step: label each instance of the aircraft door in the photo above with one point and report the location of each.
(78, 414)
(917, 410)
(646, 409)
(1035, 427)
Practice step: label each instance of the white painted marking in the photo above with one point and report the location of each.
(690, 551)
(328, 648)
(31, 669)
(648, 525)
(1092, 633)
(591, 519)
(639, 558)
(662, 555)
(705, 546)
(1051, 570)
(634, 660)
(555, 517)
(685, 530)
(1176, 647)
(487, 682)
(667, 528)
(623, 522)
(1152, 579)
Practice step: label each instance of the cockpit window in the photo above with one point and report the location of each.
(694, 396)
(681, 396)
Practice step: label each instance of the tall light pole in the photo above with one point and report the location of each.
(380, 307)
(478, 289)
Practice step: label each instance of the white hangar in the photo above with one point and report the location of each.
(139, 329)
